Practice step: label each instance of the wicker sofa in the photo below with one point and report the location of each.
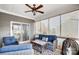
(51, 40)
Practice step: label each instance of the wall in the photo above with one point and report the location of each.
(5, 23)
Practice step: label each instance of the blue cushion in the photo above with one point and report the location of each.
(36, 36)
(9, 41)
(51, 38)
(15, 48)
(50, 47)
(41, 36)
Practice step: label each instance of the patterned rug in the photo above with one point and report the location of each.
(48, 52)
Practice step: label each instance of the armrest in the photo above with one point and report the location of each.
(52, 45)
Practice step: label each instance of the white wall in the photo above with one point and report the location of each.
(5, 23)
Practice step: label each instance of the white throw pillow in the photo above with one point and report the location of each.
(36, 35)
(45, 39)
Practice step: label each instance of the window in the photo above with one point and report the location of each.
(69, 24)
(37, 27)
(44, 26)
(54, 26)
(64, 25)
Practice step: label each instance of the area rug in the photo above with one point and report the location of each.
(48, 52)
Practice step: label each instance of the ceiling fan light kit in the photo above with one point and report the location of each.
(34, 9)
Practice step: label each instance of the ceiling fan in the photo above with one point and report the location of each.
(34, 9)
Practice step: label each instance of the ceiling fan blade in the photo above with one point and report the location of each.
(28, 11)
(40, 6)
(40, 12)
(29, 6)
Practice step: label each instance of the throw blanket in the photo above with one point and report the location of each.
(71, 45)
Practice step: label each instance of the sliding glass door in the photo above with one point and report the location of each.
(25, 28)
(20, 31)
(16, 31)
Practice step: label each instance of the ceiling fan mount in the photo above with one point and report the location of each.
(34, 9)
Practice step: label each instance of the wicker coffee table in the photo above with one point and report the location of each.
(39, 45)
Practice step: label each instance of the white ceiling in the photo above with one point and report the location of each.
(50, 10)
